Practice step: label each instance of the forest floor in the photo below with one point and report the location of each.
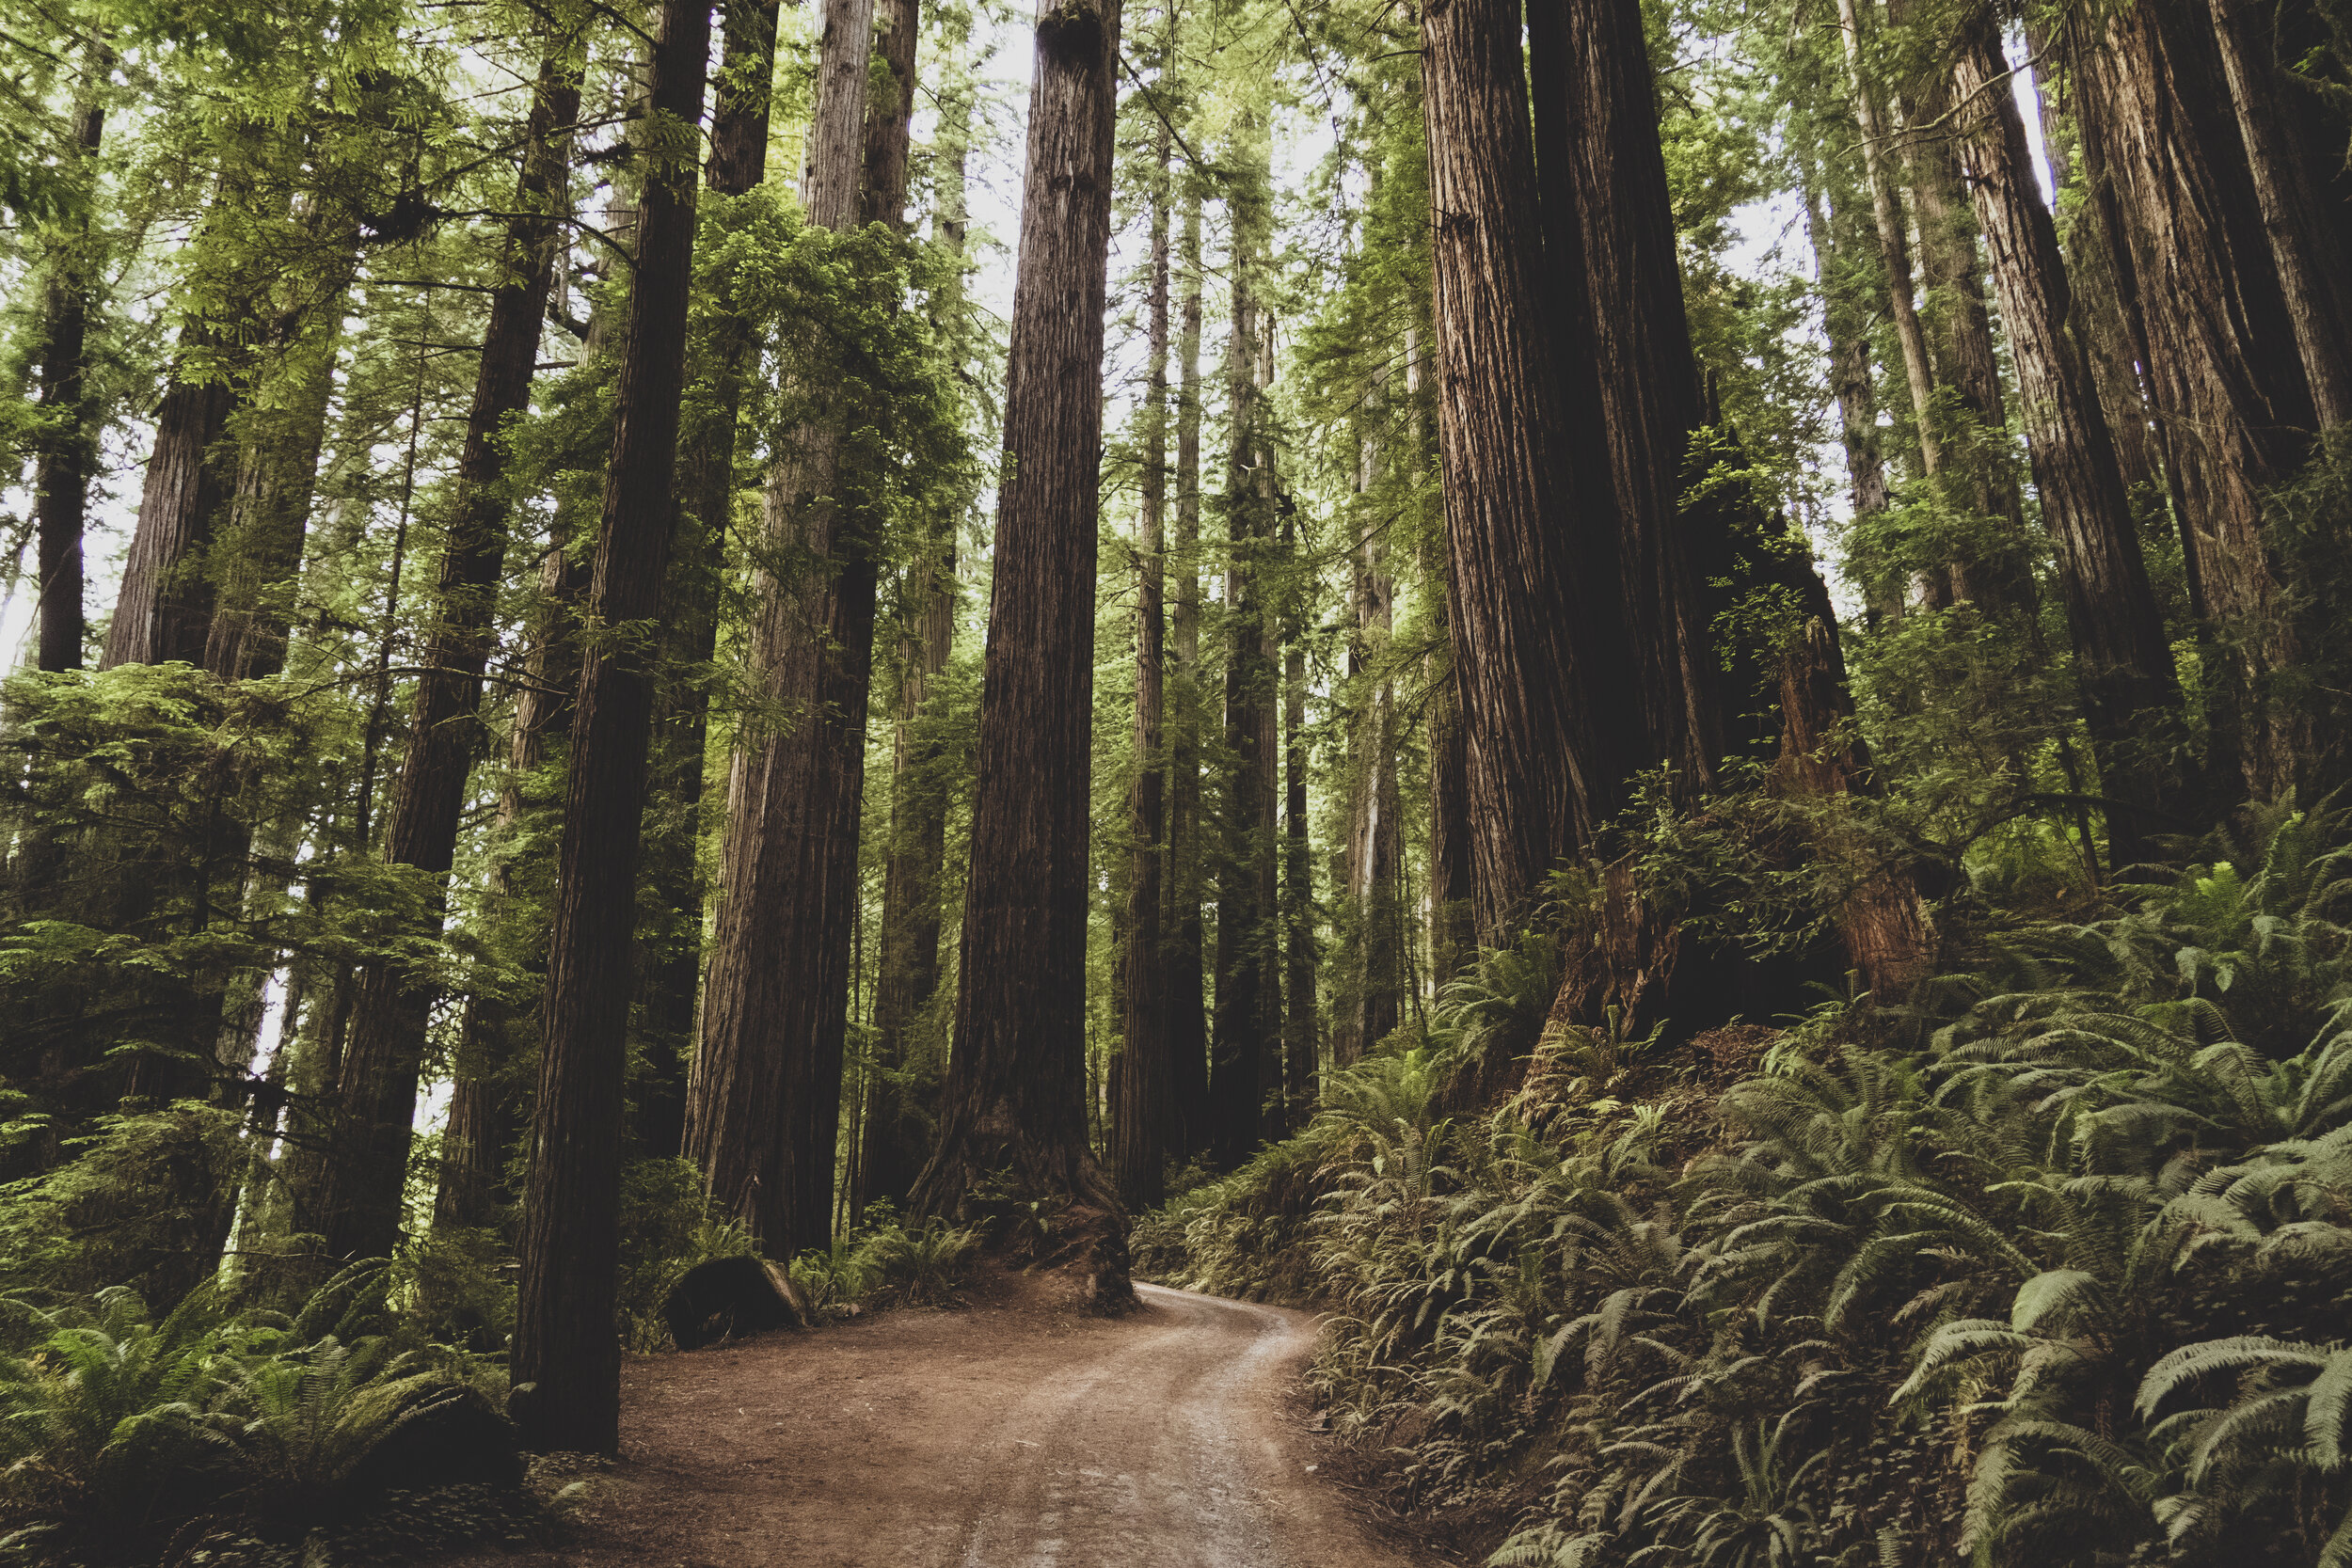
(1016, 1431)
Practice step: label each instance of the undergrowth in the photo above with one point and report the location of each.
(227, 1435)
(2050, 1268)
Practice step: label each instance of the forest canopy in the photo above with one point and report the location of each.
(1651, 694)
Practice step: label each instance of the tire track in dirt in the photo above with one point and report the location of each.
(1018, 1434)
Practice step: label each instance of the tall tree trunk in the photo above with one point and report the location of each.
(1894, 238)
(164, 611)
(358, 1203)
(1015, 1102)
(2306, 241)
(1186, 998)
(2223, 372)
(1302, 1045)
(1368, 1004)
(765, 1110)
(900, 1101)
(483, 1113)
(1533, 579)
(1452, 891)
(1244, 1058)
(1599, 154)
(268, 508)
(66, 451)
(2131, 697)
(706, 492)
(1887, 929)
(1845, 323)
(1145, 1106)
(564, 1347)
(1997, 576)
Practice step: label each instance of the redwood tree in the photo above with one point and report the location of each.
(1015, 1099)
(1533, 580)
(2123, 661)
(1145, 1112)
(65, 446)
(366, 1162)
(764, 1115)
(565, 1349)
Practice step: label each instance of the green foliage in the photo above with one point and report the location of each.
(884, 1263)
(119, 1430)
(2060, 1282)
(667, 1226)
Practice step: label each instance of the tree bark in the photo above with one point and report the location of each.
(1893, 240)
(1599, 154)
(267, 513)
(566, 1347)
(1887, 929)
(164, 611)
(2223, 372)
(1532, 579)
(707, 494)
(765, 1107)
(1015, 1100)
(2123, 662)
(1846, 323)
(1144, 1109)
(360, 1201)
(66, 451)
(1187, 1011)
(1245, 1046)
(1302, 1018)
(1990, 567)
(484, 1109)
(1368, 1006)
(903, 1100)
(2305, 240)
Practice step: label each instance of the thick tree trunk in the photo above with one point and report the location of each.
(2306, 241)
(898, 1107)
(1453, 871)
(564, 1347)
(2131, 697)
(1246, 1048)
(765, 1110)
(1598, 151)
(707, 490)
(1533, 582)
(890, 115)
(66, 451)
(1186, 997)
(1145, 1109)
(1993, 569)
(1015, 1102)
(358, 1205)
(903, 1100)
(484, 1108)
(164, 611)
(1887, 929)
(2223, 371)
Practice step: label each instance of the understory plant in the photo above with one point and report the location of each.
(2051, 1268)
(126, 1436)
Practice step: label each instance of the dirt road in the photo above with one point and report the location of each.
(1016, 1433)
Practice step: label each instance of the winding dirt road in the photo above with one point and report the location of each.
(1016, 1433)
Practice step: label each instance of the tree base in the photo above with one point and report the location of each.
(1039, 1212)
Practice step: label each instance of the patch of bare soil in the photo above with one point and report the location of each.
(1016, 1433)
